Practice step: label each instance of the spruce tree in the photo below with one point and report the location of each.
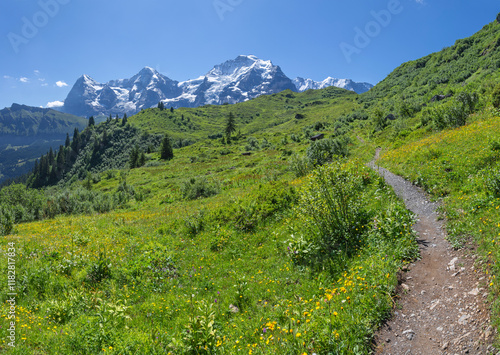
(134, 157)
(68, 141)
(60, 162)
(124, 121)
(167, 152)
(75, 144)
(51, 157)
(230, 126)
(91, 121)
(142, 159)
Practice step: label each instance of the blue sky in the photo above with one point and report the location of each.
(45, 45)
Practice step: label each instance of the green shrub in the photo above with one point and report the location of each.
(331, 204)
(493, 183)
(323, 151)
(199, 187)
(300, 165)
(495, 97)
(256, 207)
(99, 271)
(6, 220)
(194, 223)
(200, 336)
(395, 222)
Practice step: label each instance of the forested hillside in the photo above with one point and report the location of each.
(26, 131)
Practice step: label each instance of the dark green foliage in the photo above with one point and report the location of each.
(252, 144)
(266, 201)
(161, 106)
(199, 187)
(323, 151)
(495, 97)
(230, 125)
(248, 211)
(451, 114)
(300, 165)
(91, 121)
(105, 146)
(19, 204)
(167, 152)
(493, 183)
(332, 204)
(6, 220)
(134, 157)
(99, 271)
(379, 121)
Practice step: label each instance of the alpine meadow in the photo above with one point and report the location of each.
(255, 227)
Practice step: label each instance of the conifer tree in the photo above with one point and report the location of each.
(51, 157)
(134, 157)
(230, 126)
(68, 141)
(91, 121)
(142, 159)
(75, 144)
(167, 152)
(124, 121)
(60, 162)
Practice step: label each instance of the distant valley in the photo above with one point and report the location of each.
(27, 132)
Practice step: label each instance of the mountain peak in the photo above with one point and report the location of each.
(236, 80)
(86, 79)
(148, 70)
(242, 62)
(348, 84)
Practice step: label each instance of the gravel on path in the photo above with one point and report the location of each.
(441, 306)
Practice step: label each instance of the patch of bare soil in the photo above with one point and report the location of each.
(441, 299)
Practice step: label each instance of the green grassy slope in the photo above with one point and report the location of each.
(252, 116)
(472, 61)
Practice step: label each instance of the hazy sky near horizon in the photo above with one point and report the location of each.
(45, 45)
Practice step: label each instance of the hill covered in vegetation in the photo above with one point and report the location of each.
(26, 131)
(254, 239)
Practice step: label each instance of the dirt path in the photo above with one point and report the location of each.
(441, 306)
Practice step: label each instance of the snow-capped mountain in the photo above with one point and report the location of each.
(306, 84)
(241, 79)
(144, 90)
(238, 80)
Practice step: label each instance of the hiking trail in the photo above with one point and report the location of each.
(441, 302)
